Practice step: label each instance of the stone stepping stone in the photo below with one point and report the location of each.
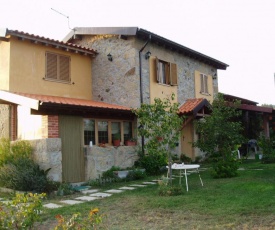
(71, 202)
(241, 169)
(114, 191)
(86, 198)
(100, 194)
(138, 185)
(52, 205)
(148, 182)
(89, 191)
(127, 188)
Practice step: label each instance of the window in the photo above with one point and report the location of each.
(115, 129)
(89, 131)
(102, 131)
(166, 72)
(204, 84)
(127, 130)
(57, 67)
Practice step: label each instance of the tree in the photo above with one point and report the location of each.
(220, 133)
(160, 125)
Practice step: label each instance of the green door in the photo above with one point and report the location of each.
(71, 132)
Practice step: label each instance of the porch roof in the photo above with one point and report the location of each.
(43, 103)
(193, 106)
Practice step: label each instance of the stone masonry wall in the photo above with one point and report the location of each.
(99, 160)
(114, 81)
(4, 121)
(118, 81)
(47, 153)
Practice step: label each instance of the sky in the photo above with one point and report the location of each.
(240, 33)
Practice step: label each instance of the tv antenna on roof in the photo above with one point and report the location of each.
(64, 16)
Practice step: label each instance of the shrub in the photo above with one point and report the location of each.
(153, 163)
(65, 189)
(110, 172)
(185, 159)
(25, 175)
(225, 168)
(268, 158)
(21, 212)
(136, 174)
(11, 152)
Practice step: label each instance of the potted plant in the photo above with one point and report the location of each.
(116, 139)
(131, 142)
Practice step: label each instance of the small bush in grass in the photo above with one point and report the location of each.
(77, 221)
(225, 168)
(166, 189)
(22, 212)
(170, 190)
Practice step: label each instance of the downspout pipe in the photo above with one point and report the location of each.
(140, 83)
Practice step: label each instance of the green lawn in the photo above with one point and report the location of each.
(244, 202)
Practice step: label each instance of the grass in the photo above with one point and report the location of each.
(243, 202)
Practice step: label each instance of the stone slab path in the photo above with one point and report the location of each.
(94, 194)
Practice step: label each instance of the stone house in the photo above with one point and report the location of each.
(134, 66)
(66, 96)
(46, 97)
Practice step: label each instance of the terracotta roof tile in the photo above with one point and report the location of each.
(190, 105)
(73, 101)
(50, 41)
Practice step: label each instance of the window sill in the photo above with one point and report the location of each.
(58, 81)
(206, 94)
(164, 84)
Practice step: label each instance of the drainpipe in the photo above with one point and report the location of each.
(140, 83)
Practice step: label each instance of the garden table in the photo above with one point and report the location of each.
(186, 167)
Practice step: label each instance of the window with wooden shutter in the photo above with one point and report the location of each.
(204, 83)
(166, 73)
(57, 67)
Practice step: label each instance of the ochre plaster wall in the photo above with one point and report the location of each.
(4, 64)
(209, 96)
(160, 90)
(27, 70)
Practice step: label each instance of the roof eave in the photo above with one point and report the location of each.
(50, 42)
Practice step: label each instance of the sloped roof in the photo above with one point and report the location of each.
(146, 35)
(5, 34)
(193, 106)
(42, 100)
